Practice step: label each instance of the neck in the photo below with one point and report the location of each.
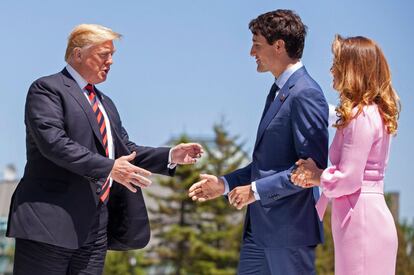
(284, 64)
(79, 70)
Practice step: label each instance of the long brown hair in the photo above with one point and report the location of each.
(362, 77)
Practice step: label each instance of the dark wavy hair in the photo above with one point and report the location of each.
(281, 24)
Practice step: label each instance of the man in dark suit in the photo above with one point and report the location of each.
(81, 189)
(281, 226)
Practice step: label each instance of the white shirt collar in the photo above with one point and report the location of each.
(284, 77)
(78, 78)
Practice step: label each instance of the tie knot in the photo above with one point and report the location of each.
(273, 91)
(276, 88)
(90, 88)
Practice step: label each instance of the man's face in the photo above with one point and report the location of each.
(95, 62)
(265, 54)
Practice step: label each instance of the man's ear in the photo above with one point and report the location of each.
(279, 45)
(77, 55)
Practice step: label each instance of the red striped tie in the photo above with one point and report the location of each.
(102, 129)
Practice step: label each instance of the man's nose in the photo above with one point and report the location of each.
(109, 61)
(252, 52)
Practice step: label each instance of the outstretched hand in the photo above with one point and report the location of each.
(128, 174)
(208, 188)
(241, 196)
(186, 153)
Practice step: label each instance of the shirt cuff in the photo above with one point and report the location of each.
(255, 193)
(226, 186)
(171, 165)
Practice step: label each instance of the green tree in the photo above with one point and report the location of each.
(405, 232)
(325, 260)
(198, 238)
(405, 254)
(124, 263)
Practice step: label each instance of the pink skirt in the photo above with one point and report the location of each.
(366, 244)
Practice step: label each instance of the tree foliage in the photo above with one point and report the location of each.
(124, 263)
(198, 238)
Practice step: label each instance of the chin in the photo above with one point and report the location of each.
(101, 78)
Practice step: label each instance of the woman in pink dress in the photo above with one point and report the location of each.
(363, 229)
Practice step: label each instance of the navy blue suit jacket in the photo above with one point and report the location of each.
(294, 127)
(57, 198)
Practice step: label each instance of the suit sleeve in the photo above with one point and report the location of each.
(44, 116)
(239, 177)
(346, 177)
(150, 158)
(309, 121)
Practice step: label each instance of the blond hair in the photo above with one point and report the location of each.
(362, 77)
(86, 35)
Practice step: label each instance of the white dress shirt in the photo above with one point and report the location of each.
(82, 84)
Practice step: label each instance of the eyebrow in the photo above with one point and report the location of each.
(108, 51)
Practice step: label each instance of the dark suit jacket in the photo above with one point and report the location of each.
(295, 126)
(57, 198)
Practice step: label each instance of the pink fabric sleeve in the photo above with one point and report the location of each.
(346, 177)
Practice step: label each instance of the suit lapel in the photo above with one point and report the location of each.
(272, 112)
(117, 140)
(277, 103)
(76, 92)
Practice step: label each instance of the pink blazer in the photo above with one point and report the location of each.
(359, 155)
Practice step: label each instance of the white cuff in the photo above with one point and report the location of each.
(170, 165)
(226, 186)
(255, 193)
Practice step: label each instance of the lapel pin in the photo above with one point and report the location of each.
(282, 98)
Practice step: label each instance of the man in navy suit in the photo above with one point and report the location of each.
(81, 189)
(281, 227)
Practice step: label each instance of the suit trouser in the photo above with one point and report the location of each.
(255, 260)
(36, 258)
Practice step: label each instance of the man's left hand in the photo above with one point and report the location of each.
(186, 153)
(241, 196)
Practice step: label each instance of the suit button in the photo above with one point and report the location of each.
(275, 196)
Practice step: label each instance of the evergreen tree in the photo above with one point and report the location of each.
(124, 263)
(198, 238)
(325, 260)
(405, 254)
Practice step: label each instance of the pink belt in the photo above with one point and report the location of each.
(376, 187)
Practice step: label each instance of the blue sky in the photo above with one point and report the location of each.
(183, 64)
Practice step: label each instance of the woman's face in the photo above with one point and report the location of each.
(334, 72)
